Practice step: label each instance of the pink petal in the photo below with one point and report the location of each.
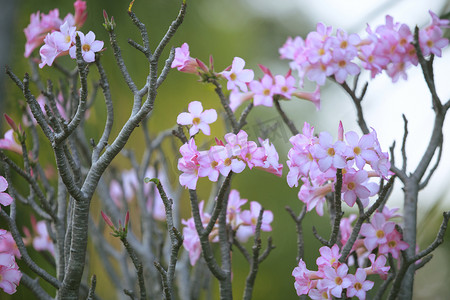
(204, 128)
(89, 38)
(209, 116)
(3, 184)
(89, 56)
(184, 118)
(97, 46)
(195, 108)
(5, 199)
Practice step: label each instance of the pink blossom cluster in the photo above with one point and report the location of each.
(9, 142)
(241, 83)
(388, 47)
(41, 24)
(379, 234)
(264, 90)
(314, 160)
(332, 278)
(62, 42)
(59, 35)
(9, 270)
(125, 189)
(222, 158)
(242, 222)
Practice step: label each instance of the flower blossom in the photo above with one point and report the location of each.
(89, 46)
(5, 198)
(183, 61)
(237, 76)
(197, 118)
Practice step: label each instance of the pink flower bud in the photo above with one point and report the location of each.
(10, 122)
(202, 65)
(107, 220)
(340, 131)
(80, 13)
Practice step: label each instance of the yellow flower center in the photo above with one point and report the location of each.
(351, 186)
(380, 234)
(392, 244)
(233, 76)
(227, 162)
(338, 280)
(357, 150)
(331, 152)
(196, 121)
(357, 286)
(86, 47)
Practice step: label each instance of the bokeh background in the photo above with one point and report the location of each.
(254, 30)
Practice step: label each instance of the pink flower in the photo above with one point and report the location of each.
(238, 77)
(43, 241)
(8, 245)
(328, 257)
(345, 228)
(49, 51)
(64, 38)
(378, 266)
(250, 217)
(284, 85)
(302, 283)
(191, 241)
(237, 98)
(80, 12)
(343, 66)
(234, 209)
(359, 285)
(88, 47)
(38, 29)
(329, 154)
(10, 143)
(362, 149)
(314, 97)
(354, 186)
(198, 118)
(271, 159)
(5, 198)
(336, 279)
(264, 91)
(431, 41)
(376, 231)
(393, 245)
(9, 273)
(183, 62)
(210, 162)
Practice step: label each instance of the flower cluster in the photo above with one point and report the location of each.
(59, 35)
(378, 236)
(241, 83)
(126, 188)
(264, 90)
(224, 158)
(314, 160)
(242, 222)
(62, 42)
(388, 47)
(41, 24)
(9, 270)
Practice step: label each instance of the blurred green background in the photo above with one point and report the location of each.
(225, 29)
